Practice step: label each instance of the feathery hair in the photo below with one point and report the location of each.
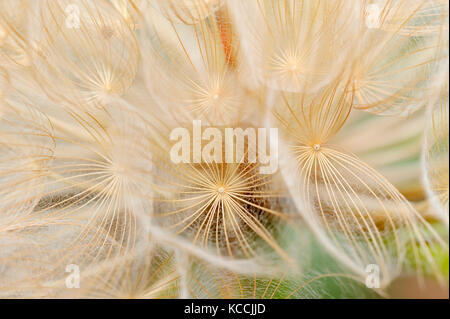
(91, 92)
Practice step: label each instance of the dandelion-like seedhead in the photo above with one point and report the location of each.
(93, 205)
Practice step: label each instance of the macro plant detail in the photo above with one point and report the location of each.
(346, 101)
